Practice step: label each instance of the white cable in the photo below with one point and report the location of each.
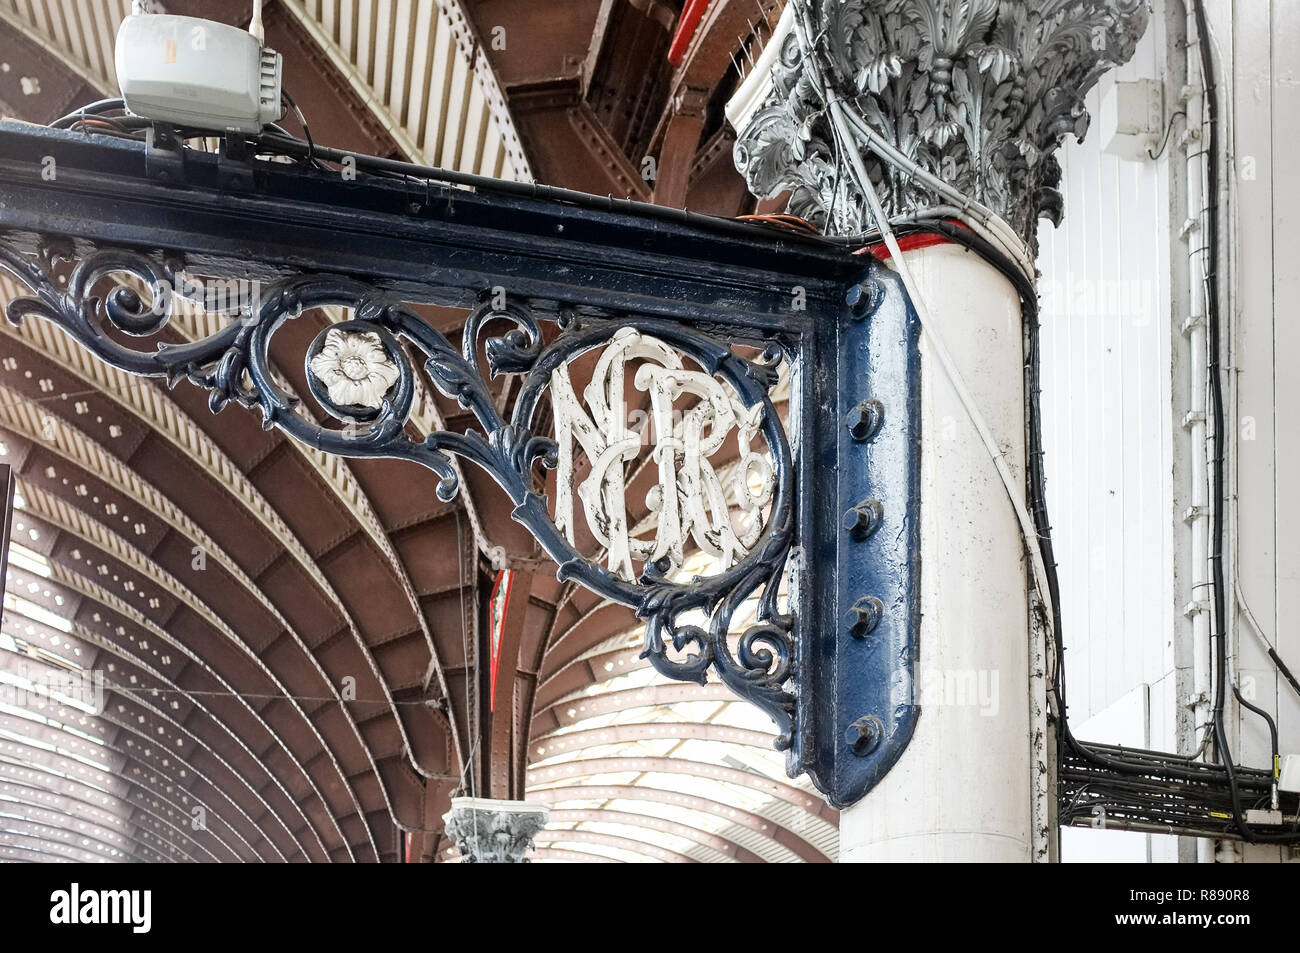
(984, 221)
(255, 24)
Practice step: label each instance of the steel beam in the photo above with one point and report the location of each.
(779, 790)
(717, 845)
(759, 823)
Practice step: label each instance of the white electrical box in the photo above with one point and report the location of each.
(1289, 780)
(197, 73)
(1133, 119)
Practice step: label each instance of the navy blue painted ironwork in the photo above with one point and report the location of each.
(833, 668)
(861, 695)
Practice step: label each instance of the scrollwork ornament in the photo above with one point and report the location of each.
(361, 371)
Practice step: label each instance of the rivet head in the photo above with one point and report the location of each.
(863, 736)
(864, 298)
(863, 519)
(865, 616)
(865, 419)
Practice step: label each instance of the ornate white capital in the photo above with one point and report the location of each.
(494, 832)
(979, 93)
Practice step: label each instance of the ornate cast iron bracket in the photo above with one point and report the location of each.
(788, 571)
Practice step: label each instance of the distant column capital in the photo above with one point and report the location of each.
(494, 832)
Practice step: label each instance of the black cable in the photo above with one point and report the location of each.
(1128, 763)
(1212, 323)
(1272, 725)
(91, 109)
(1281, 667)
(1173, 765)
(376, 165)
(306, 130)
(1168, 129)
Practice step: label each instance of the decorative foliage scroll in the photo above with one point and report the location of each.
(980, 93)
(360, 371)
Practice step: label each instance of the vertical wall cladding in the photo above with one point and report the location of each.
(1106, 349)
(1112, 407)
(1110, 339)
(1261, 108)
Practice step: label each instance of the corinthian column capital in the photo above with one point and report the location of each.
(488, 831)
(979, 93)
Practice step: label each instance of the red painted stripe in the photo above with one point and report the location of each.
(908, 243)
(498, 624)
(686, 27)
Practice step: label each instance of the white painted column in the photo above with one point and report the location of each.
(962, 789)
(974, 782)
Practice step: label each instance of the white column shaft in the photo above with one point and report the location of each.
(962, 789)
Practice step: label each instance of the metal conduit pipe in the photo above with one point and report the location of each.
(1198, 515)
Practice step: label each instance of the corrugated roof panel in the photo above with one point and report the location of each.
(348, 28)
(440, 66)
(426, 33)
(405, 51)
(84, 30)
(364, 56)
(471, 143)
(493, 155)
(382, 27)
(454, 125)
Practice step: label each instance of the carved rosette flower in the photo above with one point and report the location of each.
(980, 93)
(355, 368)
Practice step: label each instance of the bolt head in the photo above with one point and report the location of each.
(863, 519)
(864, 298)
(865, 419)
(864, 735)
(865, 616)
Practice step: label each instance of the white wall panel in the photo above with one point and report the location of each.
(1258, 46)
(1106, 393)
(1109, 403)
